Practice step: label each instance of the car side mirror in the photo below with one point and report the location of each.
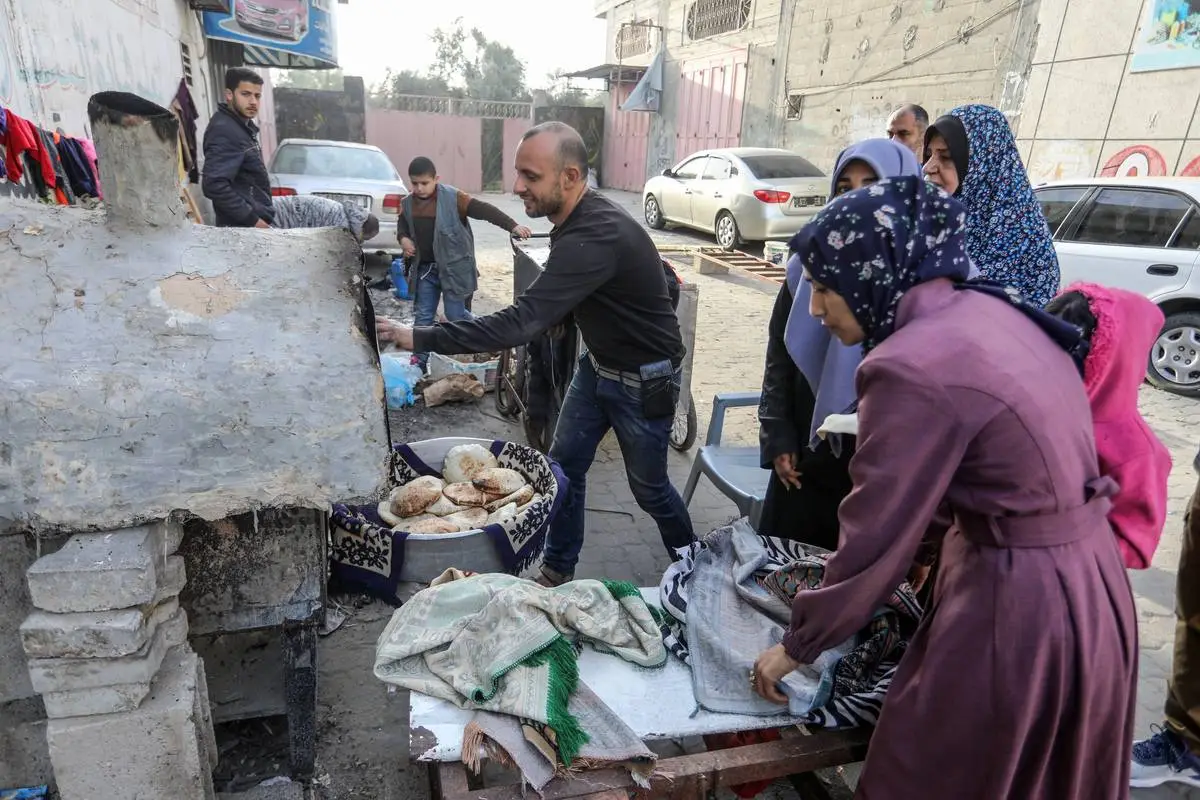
(733, 171)
(667, 173)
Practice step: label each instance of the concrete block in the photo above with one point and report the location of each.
(24, 756)
(16, 554)
(282, 791)
(74, 674)
(100, 634)
(101, 700)
(98, 572)
(204, 716)
(153, 753)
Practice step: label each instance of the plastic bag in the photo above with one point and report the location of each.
(399, 282)
(399, 378)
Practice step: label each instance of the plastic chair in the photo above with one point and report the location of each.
(736, 472)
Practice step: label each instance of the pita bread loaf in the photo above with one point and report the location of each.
(464, 494)
(498, 481)
(432, 525)
(522, 495)
(469, 520)
(415, 496)
(443, 507)
(502, 515)
(463, 462)
(537, 498)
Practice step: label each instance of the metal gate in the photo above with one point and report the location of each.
(589, 121)
(626, 137)
(711, 96)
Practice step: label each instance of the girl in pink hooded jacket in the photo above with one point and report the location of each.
(1122, 327)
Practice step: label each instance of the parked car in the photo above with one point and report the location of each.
(739, 194)
(360, 173)
(1141, 234)
(286, 19)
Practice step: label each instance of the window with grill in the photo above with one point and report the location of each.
(185, 56)
(707, 18)
(633, 40)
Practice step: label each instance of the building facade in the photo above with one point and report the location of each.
(1090, 86)
(55, 54)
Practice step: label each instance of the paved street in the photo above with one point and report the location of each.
(731, 331)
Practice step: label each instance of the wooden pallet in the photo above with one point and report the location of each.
(689, 777)
(715, 261)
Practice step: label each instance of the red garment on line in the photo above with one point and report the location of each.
(23, 137)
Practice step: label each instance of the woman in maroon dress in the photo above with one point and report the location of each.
(1020, 681)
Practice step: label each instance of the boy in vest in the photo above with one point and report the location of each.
(434, 231)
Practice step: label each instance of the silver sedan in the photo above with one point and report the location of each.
(738, 194)
(343, 171)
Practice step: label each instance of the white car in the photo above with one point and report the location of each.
(1140, 234)
(739, 194)
(344, 171)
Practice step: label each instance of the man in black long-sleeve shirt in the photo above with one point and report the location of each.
(605, 270)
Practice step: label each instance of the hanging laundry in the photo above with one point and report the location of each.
(3, 134)
(89, 151)
(185, 109)
(74, 161)
(19, 139)
(62, 188)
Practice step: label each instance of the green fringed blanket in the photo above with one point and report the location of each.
(504, 644)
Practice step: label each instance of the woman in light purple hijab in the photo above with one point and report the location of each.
(810, 375)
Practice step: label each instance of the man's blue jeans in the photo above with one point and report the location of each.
(428, 287)
(592, 406)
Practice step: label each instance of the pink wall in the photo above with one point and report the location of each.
(514, 129)
(452, 142)
(711, 92)
(626, 135)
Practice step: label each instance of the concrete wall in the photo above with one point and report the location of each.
(1086, 114)
(702, 78)
(853, 64)
(54, 55)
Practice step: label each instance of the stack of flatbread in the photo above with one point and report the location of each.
(474, 491)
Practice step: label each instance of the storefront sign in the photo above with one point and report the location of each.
(285, 34)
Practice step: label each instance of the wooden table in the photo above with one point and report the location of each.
(436, 733)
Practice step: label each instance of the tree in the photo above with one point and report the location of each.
(407, 82)
(560, 92)
(466, 64)
(329, 80)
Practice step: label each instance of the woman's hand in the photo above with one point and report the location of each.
(769, 670)
(785, 468)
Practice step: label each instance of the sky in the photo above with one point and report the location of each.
(374, 35)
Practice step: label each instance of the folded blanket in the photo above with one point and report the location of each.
(533, 748)
(741, 586)
(504, 644)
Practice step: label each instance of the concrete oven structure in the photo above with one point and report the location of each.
(180, 404)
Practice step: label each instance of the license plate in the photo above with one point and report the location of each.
(808, 202)
(361, 200)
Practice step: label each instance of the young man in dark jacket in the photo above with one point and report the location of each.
(235, 177)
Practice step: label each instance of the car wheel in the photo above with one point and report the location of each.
(654, 217)
(1175, 357)
(727, 231)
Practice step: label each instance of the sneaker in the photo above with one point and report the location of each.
(552, 578)
(1163, 758)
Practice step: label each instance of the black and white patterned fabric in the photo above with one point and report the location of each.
(861, 679)
(367, 554)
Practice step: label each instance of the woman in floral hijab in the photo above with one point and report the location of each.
(972, 155)
(1021, 680)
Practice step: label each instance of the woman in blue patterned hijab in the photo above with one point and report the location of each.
(866, 249)
(971, 154)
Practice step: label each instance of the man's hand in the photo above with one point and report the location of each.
(261, 224)
(409, 248)
(785, 468)
(387, 330)
(521, 232)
